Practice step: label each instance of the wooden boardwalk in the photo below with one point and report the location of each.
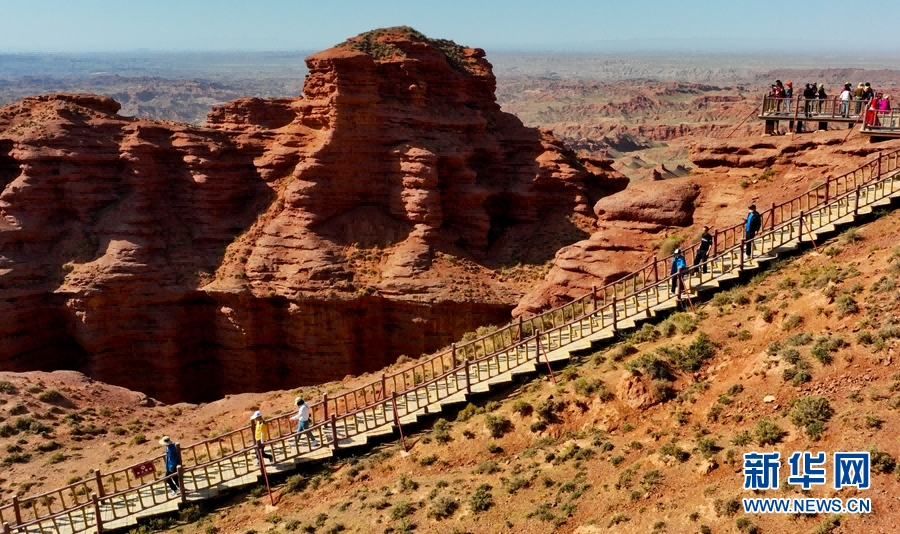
(118, 500)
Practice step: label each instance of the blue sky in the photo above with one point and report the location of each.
(127, 25)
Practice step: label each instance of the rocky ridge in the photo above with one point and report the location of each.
(288, 237)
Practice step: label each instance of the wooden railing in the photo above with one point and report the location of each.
(212, 462)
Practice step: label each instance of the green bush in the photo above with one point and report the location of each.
(50, 396)
(402, 509)
(651, 365)
(522, 408)
(845, 305)
(791, 322)
(442, 508)
(812, 413)
(674, 451)
(482, 499)
(497, 425)
(768, 433)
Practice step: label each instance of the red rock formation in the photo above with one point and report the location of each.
(290, 241)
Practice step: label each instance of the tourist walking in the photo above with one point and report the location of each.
(173, 460)
(678, 267)
(302, 418)
(702, 255)
(261, 434)
(821, 96)
(751, 227)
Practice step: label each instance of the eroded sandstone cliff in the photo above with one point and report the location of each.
(288, 242)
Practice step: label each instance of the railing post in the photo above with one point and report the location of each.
(615, 319)
(17, 512)
(827, 188)
(180, 470)
(334, 436)
(655, 270)
(99, 520)
(468, 378)
(879, 165)
(594, 296)
(743, 244)
(518, 331)
(325, 405)
(453, 353)
(383, 386)
(6, 529)
(99, 479)
(397, 419)
(856, 201)
(772, 224)
(800, 230)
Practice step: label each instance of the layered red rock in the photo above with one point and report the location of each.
(290, 241)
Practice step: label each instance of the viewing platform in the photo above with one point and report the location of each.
(879, 124)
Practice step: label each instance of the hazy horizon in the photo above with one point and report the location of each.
(578, 25)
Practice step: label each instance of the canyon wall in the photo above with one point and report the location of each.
(289, 241)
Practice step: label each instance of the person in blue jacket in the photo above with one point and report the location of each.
(751, 227)
(678, 267)
(173, 460)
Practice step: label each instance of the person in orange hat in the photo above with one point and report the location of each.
(788, 95)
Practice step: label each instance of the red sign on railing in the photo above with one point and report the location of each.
(144, 469)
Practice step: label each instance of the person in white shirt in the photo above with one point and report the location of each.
(846, 96)
(302, 416)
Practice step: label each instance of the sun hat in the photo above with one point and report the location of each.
(256, 415)
(166, 440)
(677, 251)
(752, 207)
(298, 401)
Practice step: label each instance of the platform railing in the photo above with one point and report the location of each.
(218, 460)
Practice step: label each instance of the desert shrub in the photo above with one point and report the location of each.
(402, 509)
(547, 409)
(828, 525)
(851, 235)
(845, 305)
(138, 439)
(487, 468)
(865, 337)
(773, 348)
(431, 459)
(441, 431)
(651, 365)
(48, 446)
(469, 412)
(442, 508)
(790, 355)
(799, 339)
(522, 408)
(791, 322)
(407, 484)
(497, 425)
(296, 484)
(707, 447)
(646, 333)
(50, 396)
(620, 352)
(744, 438)
(883, 285)
(674, 451)
(881, 462)
(765, 313)
(767, 432)
(727, 507)
(811, 412)
(668, 245)
(745, 525)
(7, 387)
(482, 499)
(514, 484)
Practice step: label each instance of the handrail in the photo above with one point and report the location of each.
(820, 199)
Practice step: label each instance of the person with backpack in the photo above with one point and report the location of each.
(702, 255)
(679, 264)
(751, 227)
